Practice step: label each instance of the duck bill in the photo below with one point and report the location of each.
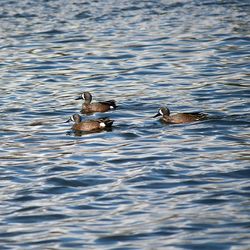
(156, 115)
(79, 98)
(68, 120)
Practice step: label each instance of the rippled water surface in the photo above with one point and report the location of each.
(144, 184)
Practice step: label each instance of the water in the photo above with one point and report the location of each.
(143, 185)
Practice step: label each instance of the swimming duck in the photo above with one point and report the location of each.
(88, 107)
(89, 125)
(179, 118)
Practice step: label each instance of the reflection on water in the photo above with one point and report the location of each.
(143, 184)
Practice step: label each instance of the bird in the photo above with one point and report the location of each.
(89, 125)
(88, 107)
(180, 117)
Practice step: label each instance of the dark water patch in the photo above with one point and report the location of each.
(58, 190)
(24, 15)
(246, 188)
(72, 40)
(43, 67)
(244, 173)
(26, 209)
(171, 6)
(205, 246)
(210, 201)
(25, 198)
(89, 181)
(36, 218)
(117, 238)
(15, 110)
(72, 243)
(40, 242)
(129, 136)
(237, 39)
(83, 15)
(4, 235)
(51, 32)
(131, 8)
(85, 207)
(62, 169)
(236, 224)
(136, 159)
(37, 123)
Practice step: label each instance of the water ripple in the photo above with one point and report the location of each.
(143, 184)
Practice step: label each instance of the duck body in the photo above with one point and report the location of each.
(179, 118)
(90, 125)
(98, 106)
(88, 107)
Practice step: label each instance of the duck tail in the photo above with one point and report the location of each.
(112, 103)
(108, 122)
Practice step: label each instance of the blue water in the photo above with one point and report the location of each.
(144, 184)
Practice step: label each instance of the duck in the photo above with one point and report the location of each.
(88, 107)
(89, 125)
(180, 117)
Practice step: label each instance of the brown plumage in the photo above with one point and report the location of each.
(90, 125)
(179, 118)
(88, 107)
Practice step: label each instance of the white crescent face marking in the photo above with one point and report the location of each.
(72, 118)
(102, 125)
(160, 112)
(112, 107)
(83, 96)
